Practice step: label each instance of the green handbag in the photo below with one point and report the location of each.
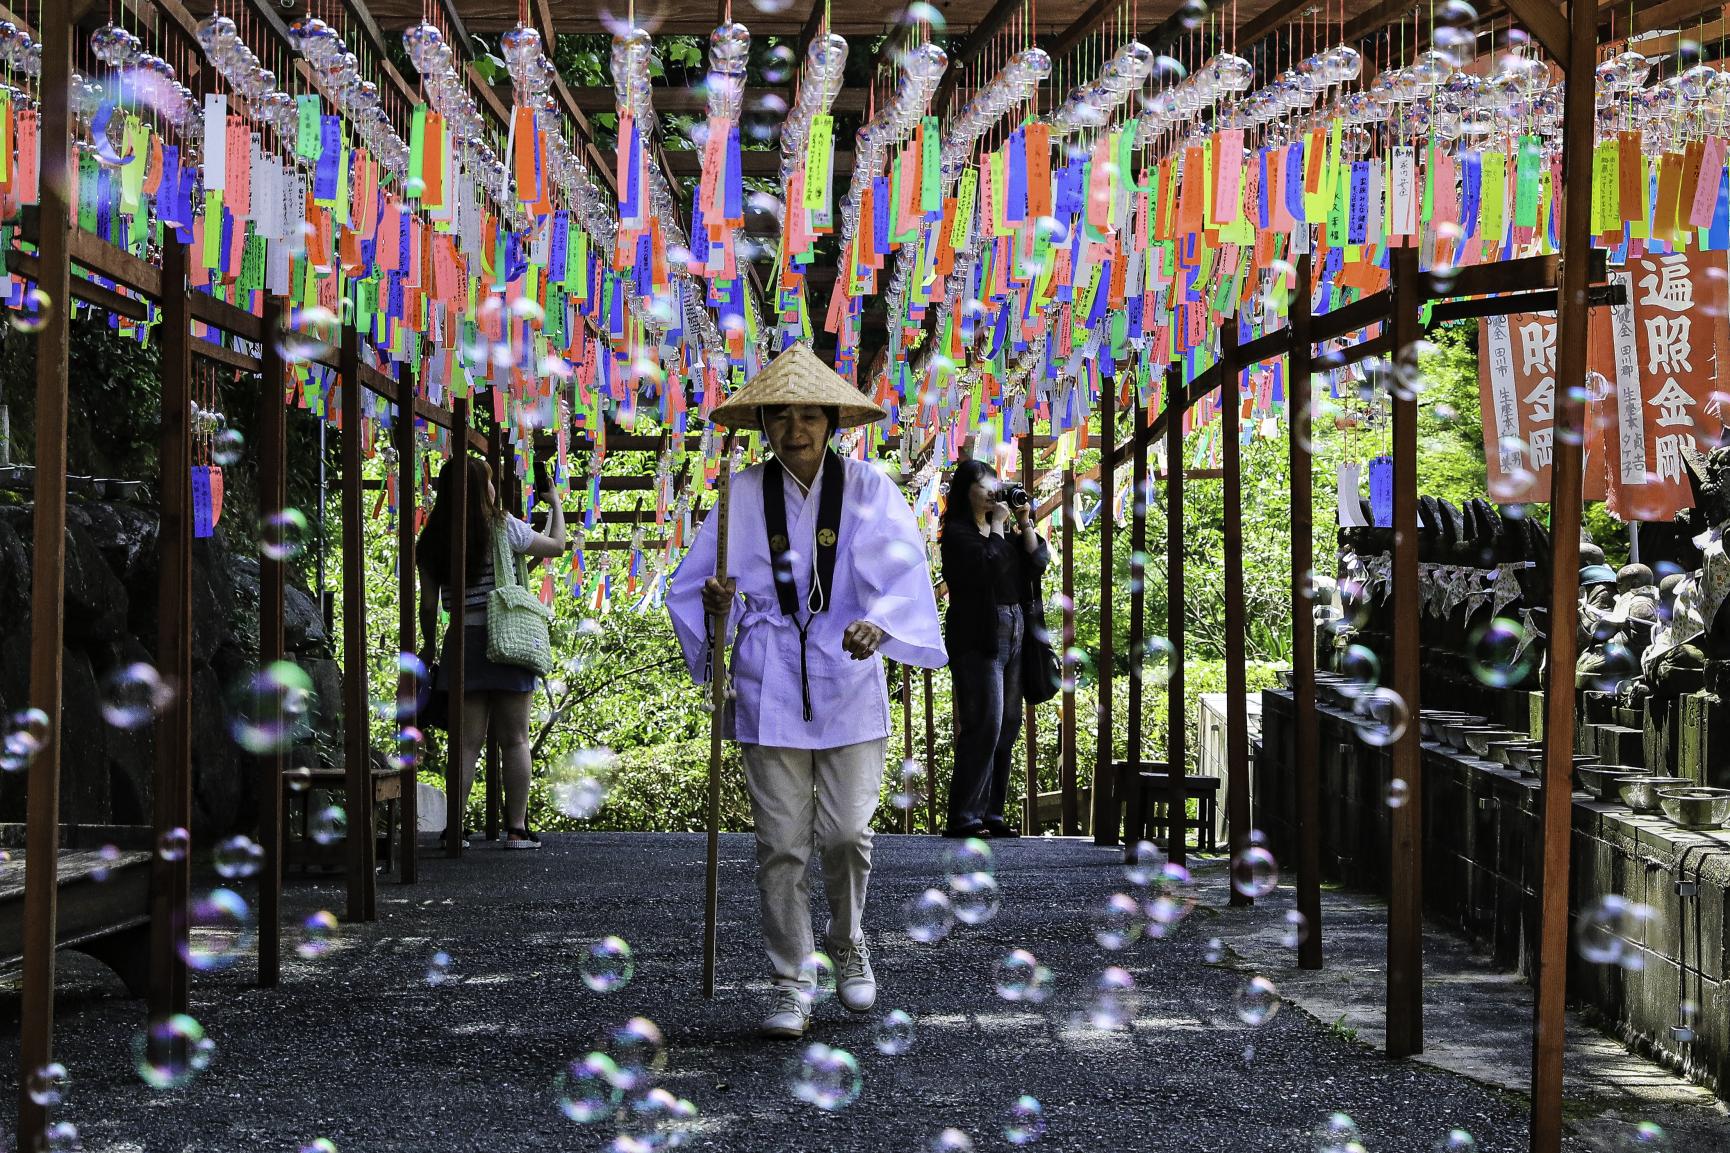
(517, 622)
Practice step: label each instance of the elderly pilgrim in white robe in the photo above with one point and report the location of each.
(881, 577)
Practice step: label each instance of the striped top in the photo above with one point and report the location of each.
(518, 535)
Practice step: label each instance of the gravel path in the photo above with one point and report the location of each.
(359, 1048)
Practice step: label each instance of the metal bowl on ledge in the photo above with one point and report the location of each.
(1641, 793)
(1604, 781)
(1480, 739)
(1696, 807)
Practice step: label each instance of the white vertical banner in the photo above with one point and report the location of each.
(216, 137)
(1631, 446)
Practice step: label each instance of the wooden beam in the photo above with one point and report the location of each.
(592, 99)
(1238, 819)
(1081, 28)
(356, 715)
(1405, 985)
(456, 797)
(1544, 20)
(408, 688)
(48, 586)
(1071, 814)
(1176, 404)
(1030, 715)
(1306, 733)
(605, 167)
(1556, 792)
(1107, 814)
(272, 499)
(967, 53)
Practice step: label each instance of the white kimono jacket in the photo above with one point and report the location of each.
(881, 576)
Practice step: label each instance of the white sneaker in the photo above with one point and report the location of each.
(789, 1012)
(858, 984)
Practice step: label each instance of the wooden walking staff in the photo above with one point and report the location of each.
(717, 712)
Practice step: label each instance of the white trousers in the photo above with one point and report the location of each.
(804, 799)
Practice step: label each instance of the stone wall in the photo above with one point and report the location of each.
(1480, 846)
(111, 621)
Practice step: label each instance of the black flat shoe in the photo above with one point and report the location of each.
(1001, 829)
(976, 829)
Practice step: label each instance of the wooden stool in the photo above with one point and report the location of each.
(303, 851)
(1147, 801)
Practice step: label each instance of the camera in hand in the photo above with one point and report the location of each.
(1014, 495)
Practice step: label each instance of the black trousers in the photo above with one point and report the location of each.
(987, 699)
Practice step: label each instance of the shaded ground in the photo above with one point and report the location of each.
(358, 1047)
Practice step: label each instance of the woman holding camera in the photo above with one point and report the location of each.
(991, 570)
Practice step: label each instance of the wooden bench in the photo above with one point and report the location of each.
(299, 785)
(102, 906)
(1146, 799)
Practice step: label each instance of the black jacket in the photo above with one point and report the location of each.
(970, 624)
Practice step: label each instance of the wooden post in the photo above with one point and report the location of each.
(1176, 848)
(455, 797)
(1405, 1013)
(1565, 511)
(272, 496)
(1107, 816)
(1135, 805)
(48, 577)
(407, 690)
(930, 758)
(356, 719)
(1306, 737)
(1030, 714)
(1236, 703)
(493, 787)
(1071, 800)
(717, 714)
(172, 782)
(906, 742)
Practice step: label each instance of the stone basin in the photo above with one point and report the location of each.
(1641, 793)
(1696, 807)
(1605, 781)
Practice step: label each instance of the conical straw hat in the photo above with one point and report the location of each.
(797, 376)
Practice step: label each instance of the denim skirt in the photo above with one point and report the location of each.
(479, 674)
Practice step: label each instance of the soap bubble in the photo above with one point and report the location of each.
(1153, 663)
(62, 1137)
(308, 334)
(133, 695)
(1457, 1141)
(1119, 926)
(1296, 929)
(817, 978)
(408, 695)
(227, 446)
(639, 1050)
(274, 709)
(1611, 931)
(1191, 14)
(1361, 670)
(174, 844)
(319, 1145)
(328, 825)
(1111, 1009)
(1215, 951)
(581, 780)
(1026, 1121)
(1020, 977)
(1502, 654)
(106, 858)
(1142, 864)
(1175, 898)
(975, 898)
(237, 857)
(317, 935)
(1683, 1031)
(894, 1034)
(929, 917)
(910, 786)
(1398, 791)
(25, 736)
(172, 1051)
(47, 1086)
(1254, 872)
(1256, 1001)
(283, 535)
(405, 749)
(32, 315)
(1646, 1137)
(952, 1141)
(1338, 1134)
(826, 1077)
(656, 1120)
(608, 965)
(438, 969)
(972, 855)
(587, 1089)
(219, 929)
(1381, 717)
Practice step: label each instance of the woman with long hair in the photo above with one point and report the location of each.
(991, 572)
(495, 696)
